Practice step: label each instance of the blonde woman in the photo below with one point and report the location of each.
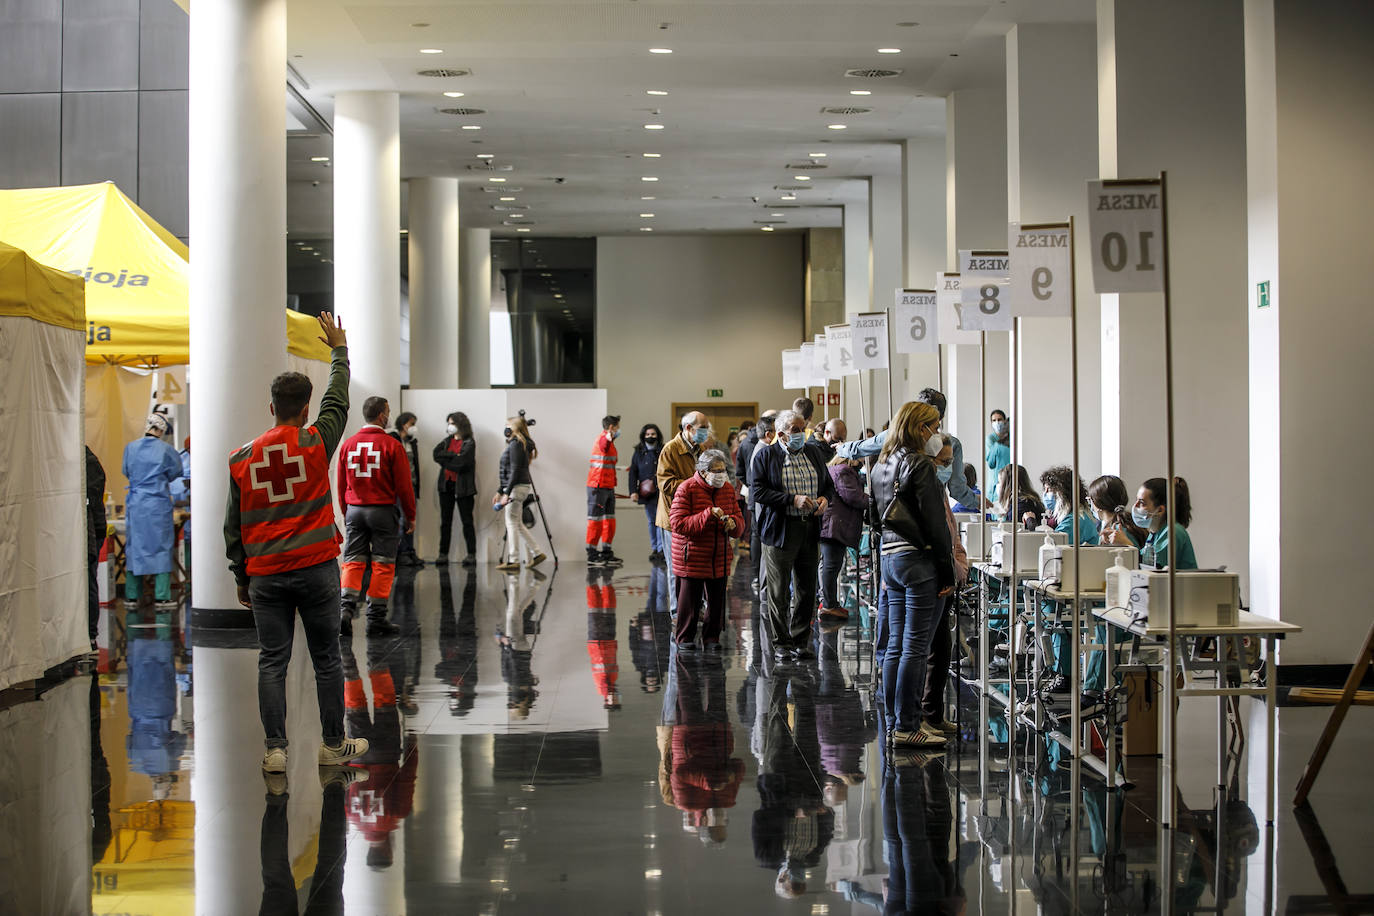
(515, 488)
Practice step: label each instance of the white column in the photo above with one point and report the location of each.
(885, 275)
(976, 214)
(367, 232)
(1171, 94)
(433, 248)
(1309, 206)
(923, 242)
(856, 299)
(474, 292)
(237, 197)
(1051, 152)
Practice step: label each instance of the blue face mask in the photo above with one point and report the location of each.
(796, 441)
(700, 435)
(1142, 518)
(943, 474)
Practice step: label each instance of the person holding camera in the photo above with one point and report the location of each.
(601, 496)
(514, 489)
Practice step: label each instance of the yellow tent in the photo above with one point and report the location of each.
(136, 272)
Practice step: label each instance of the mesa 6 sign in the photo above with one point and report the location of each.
(915, 321)
(1126, 235)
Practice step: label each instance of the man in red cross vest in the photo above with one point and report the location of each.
(283, 548)
(374, 480)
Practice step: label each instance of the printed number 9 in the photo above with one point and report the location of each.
(1041, 278)
(989, 304)
(871, 347)
(918, 328)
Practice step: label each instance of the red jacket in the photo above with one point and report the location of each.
(602, 471)
(374, 470)
(701, 546)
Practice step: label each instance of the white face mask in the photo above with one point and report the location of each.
(934, 444)
(452, 430)
(716, 479)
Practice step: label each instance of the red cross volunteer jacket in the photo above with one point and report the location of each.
(280, 514)
(601, 474)
(374, 470)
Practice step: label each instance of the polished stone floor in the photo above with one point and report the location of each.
(537, 747)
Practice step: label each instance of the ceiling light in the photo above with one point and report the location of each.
(789, 197)
(801, 177)
(646, 228)
(523, 229)
(453, 95)
(653, 155)
(472, 127)
(493, 155)
(655, 91)
(648, 198)
(818, 155)
(860, 92)
(660, 50)
(496, 180)
(889, 50)
(766, 228)
(837, 126)
(517, 216)
(648, 178)
(646, 216)
(507, 199)
(775, 214)
(431, 50)
(653, 126)
(307, 248)
(319, 158)
(404, 231)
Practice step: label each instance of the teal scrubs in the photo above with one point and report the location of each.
(999, 456)
(1087, 529)
(1156, 550)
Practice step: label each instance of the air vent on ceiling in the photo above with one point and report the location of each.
(462, 111)
(784, 206)
(808, 164)
(502, 208)
(500, 189)
(845, 110)
(770, 222)
(791, 187)
(445, 72)
(516, 222)
(490, 168)
(872, 73)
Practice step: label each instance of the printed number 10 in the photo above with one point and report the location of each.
(1114, 251)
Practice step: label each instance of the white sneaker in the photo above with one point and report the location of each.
(342, 753)
(274, 761)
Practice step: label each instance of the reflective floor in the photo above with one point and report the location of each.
(538, 747)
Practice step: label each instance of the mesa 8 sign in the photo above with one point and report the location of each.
(984, 282)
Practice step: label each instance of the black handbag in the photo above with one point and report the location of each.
(898, 519)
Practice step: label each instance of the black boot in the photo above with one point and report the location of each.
(378, 625)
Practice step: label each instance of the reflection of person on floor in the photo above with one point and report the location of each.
(378, 805)
(457, 665)
(601, 644)
(95, 538)
(517, 652)
(280, 896)
(405, 659)
(151, 466)
(840, 723)
(101, 829)
(651, 632)
(792, 826)
(154, 746)
(698, 772)
(917, 820)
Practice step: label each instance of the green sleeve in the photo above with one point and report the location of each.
(333, 416)
(233, 536)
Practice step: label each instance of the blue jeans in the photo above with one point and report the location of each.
(312, 592)
(656, 539)
(667, 541)
(910, 605)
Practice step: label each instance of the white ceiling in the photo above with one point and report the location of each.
(563, 84)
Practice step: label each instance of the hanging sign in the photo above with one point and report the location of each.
(820, 364)
(947, 304)
(870, 340)
(806, 373)
(791, 369)
(1126, 235)
(1041, 269)
(916, 322)
(984, 277)
(171, 385)
(839, 349)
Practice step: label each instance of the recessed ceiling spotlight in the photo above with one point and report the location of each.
(801, 177)
(486, 155)
(546, 275)
(472, 127)
(646, 228)
(319, 158)
(660, 50)
(405, 231)
(507, 199)
(655, 91)
(648, 178)
(860, 92)
(523, 229)
(889, 50)
(648, 198)
(789, 197)
(454, 95)
(766, 228)
(837, 127)
(495, 180)
(653, 126)
(431, 50)
(646, 216)
(517, 216)
(775, 214)
(818, 155)
(308, 248)
(653, 155)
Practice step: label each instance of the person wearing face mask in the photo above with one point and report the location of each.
(832, 436)
(841, 530)
(941, 639)
(1028, 509)
(999, 448)
(456, 453)
(643, 482)
(514, 487)
(601, 496)
(1111, 505)
(704, 516)
(763, 434)
(791, 487)
(1058, 482)
(1150, 512)
(151, 467)
(403, 431)
(676, 463)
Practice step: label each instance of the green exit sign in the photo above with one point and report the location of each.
(715, 392)
(1262, 298)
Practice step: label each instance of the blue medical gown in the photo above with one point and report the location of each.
(154, 746)
(150, 465)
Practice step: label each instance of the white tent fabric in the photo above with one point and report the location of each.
(42, 498)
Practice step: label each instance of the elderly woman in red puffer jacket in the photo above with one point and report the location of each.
(704, 516)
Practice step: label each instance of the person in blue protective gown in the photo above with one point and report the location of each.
(151, 466)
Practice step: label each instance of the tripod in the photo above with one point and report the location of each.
(505, 540)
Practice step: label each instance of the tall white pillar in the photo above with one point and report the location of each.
(433, 248)
(367, 232)
(1309, 206)
(856, 299)
(976, 217)
(474, 308)
(885, 276)
(1051, 152)
(237, 197)
(923, 240)
(1171, 95)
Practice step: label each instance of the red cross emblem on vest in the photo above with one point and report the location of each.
(364, 459)
(277, 473)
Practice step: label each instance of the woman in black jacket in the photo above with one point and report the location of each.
(643, 475)
(917, 568)
(515, 486)
(456, 453)
(403, 431)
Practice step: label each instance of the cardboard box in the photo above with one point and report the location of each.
(1144, 698)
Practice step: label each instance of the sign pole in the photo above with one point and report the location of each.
(889, 366)
(863, 414)
(1075, 634)
(1170, 813)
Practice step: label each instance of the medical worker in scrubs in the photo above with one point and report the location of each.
(151, 465)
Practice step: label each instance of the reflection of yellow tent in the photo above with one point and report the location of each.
(136, 272)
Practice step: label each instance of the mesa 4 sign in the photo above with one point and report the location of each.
(1126, 235)
(840, 350)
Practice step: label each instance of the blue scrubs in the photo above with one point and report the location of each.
(999, 456)
(151, 466)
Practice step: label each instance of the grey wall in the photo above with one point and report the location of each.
(97, 91)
